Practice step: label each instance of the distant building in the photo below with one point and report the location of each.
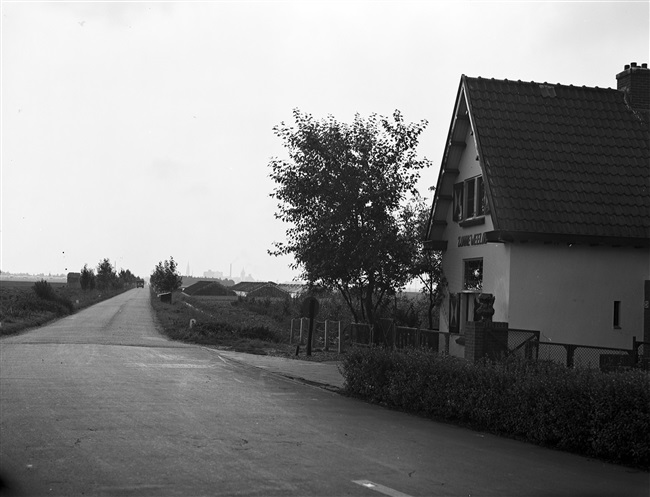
(296, 290)
(208, 288)
(243, 288)
(243, 277)
(263, 289)
(74, 280)
(213, 274)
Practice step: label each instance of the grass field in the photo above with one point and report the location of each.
(21, 309)
(27, 284)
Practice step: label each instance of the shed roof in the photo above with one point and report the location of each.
(248, 286)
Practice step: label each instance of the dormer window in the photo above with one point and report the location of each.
(470, 203)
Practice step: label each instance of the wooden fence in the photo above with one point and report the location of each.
(326, 334)
(385, 332)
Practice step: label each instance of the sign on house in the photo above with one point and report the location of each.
(469, 240)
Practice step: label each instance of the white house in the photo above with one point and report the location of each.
(543, 200)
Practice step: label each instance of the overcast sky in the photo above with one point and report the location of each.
(139, 131)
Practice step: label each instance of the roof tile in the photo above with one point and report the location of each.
(569, 161)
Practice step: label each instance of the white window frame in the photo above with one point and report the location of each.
(470, 207)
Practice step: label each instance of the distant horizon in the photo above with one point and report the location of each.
(409, 288)
(23, 275)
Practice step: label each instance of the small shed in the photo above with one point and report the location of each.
(74, 280)
(269, 291)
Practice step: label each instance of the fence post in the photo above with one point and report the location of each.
(301, 342)
(340, 339)
(291, 333)
(326, 344)
(635, 352)
(570, 350)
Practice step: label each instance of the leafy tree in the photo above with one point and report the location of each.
(87, 278)
(344, 190)
(106, 276)
(427, 264)
(126, 278)
(165, 277)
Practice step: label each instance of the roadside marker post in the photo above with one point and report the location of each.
(310, 307)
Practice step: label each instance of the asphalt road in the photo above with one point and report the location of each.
(100, 404)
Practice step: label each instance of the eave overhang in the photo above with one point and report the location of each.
(461, 123)
(454, 148)
(435, 245)
(502, 236)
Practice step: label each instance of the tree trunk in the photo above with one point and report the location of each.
(368, 304)
(345, 292)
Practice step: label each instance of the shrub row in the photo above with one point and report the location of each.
(604, 415)
(50, 300)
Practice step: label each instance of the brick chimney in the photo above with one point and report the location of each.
(635, 82)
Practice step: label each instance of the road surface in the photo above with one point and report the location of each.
(99, 403)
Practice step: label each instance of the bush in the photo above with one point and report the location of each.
(44, 290)
(597, 414)
(53, 302)
(87, 278)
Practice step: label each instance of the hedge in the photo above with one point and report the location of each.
(603, 415)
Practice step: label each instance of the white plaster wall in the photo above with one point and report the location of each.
(568, 293)
(496, 277)
(495, 256)
(468, 168)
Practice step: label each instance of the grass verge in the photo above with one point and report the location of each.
(231, 324)
(21, 308)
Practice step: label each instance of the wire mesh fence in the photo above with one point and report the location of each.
(587, 356)
(386, 333)
(642, 354)
(433, 340)
(361, 334)
(524, 344)
(550, 351)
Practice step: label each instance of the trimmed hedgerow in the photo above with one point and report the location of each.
(605, 415)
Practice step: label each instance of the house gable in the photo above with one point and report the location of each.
(561, 163)
(461, 143)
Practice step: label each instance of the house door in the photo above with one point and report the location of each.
(468, 308)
